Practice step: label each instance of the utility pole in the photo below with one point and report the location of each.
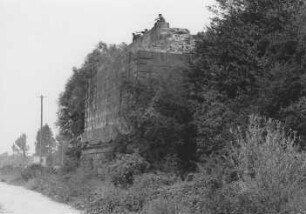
(62, 154)
(41, 125)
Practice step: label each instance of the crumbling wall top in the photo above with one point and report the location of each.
(162, 38)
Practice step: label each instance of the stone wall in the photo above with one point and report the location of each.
(103, 104)
(160, 52)
(162, 38)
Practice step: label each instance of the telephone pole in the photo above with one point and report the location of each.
(41, 125)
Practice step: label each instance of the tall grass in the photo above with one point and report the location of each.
(270, 172)
(263, 171)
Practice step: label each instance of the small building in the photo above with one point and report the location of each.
(40, 160)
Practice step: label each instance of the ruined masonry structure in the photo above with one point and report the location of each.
(159, 52)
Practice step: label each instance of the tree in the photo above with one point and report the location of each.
(251, 60)
(162, 130)
(46, 146)
(15, 150)
(21, 145)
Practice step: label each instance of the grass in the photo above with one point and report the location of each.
(11, 175)
(262, 172)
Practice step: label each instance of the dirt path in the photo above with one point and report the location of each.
(17, 200)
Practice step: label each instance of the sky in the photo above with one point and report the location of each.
(42, 40)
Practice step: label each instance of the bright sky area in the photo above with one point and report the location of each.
(41, 40)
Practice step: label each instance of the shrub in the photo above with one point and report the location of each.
(162, 206)
(269, 157)
(108, 200)
(70, 166)
(68, 187)
(112, 199)
(146, 187)
(125, 167)
(270, 169)
(154, 180)
(31, 172)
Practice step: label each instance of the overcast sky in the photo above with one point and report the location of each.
(41, 40)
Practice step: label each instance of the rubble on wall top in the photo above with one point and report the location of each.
(162, 38)
(179, 30)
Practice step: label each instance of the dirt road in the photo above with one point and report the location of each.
(17, 200)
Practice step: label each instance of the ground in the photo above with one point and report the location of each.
(17, 200)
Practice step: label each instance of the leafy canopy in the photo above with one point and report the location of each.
(251, 60)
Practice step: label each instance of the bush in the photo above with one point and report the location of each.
(270, 169)
(161, 206)
(125, 167)
(146, 187)
(67, 188)
(109, 200)
(32, 171)
(70, 166)
(154, 180)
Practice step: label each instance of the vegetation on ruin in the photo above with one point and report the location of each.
(230, 139)
(161, 121)
(71, 112)
(251, 60)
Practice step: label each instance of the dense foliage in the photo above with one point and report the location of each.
(161, 121)
(251, 60)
